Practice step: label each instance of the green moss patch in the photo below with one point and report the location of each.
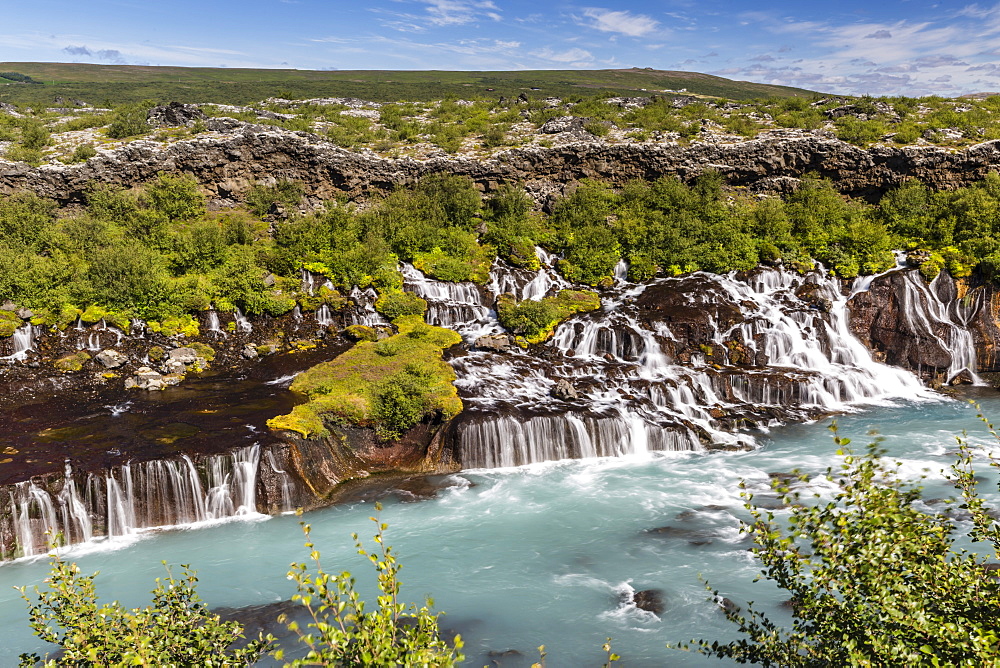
(183, 325)
(9, 322)
(536, 320)
(72, 362)
(389, 385)
(396, 303)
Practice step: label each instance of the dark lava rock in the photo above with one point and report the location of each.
(650, 600)
(565, 391)
(174, 114)
(726, 604)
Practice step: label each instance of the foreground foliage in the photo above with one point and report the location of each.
(873, 578)
(179, 630)
(343, 631)
(176, 630)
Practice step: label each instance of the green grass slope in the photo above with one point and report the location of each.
(116, 84)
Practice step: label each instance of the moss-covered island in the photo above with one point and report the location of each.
(535, 321)
(389, 385)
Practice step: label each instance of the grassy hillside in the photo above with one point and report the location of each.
(116, 84)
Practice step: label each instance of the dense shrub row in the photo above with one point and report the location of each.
(157, 253)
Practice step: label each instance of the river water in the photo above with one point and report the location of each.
(540, 554)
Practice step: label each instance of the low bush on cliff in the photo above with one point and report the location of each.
(390, 384)
(536, 320)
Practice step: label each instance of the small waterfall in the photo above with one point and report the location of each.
(23, 340)
(524, 284)
(35, 523)
(307, 281)
(323, 316)
(458, 306)
(212, 323)
(364, 312)
(287, 489)
(242, 323)
(133, 497)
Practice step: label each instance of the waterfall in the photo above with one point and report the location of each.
(323, 316)
(133, 497)
(524, 284)
(242, 323)
(617, 386)
(212, 323)
(23, 340)
(364, 312)
(287, 489)
(458, 306)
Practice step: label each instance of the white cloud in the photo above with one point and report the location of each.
(626, 23)
(458, 12)
(576, 56)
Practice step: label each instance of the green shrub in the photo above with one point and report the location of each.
(177, 629)
(395, 303)
(873, 578)
(130, 120)
(83, 152)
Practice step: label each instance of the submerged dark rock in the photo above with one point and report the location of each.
(650, 600)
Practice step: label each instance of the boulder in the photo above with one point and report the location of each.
(495, 343)
(564, 390)
(249, 352)
(9, 306)
(25, 313)
(146, 379)
(562, 124)
(183, 355)
(650, 600)
(174, 114)
(111, 358)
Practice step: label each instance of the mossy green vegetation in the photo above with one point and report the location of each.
(9, 322)
(72, 362)
(389, 385)
(156, 253)
(536, 320)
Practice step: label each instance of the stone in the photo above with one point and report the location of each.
(562, 124)
(650, 600)
(495, 342)
(249, 352)
(9, 306)
(174, 114)
(25, 313)
(183, 355)
(146, 379)
(727, 605)
(174, 366)
(564, 390)
(111, 358)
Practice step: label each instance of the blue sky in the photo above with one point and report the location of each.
(847, 46)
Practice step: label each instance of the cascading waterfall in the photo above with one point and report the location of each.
(133, 497)
(615, 388)
(323, 316)
(23, 341)
(212, 323)
(242, 323)
(458, 306)
(364, 312)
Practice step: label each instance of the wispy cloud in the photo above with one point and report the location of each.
(622, 22)
(576, 56)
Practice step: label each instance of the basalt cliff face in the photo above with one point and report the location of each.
(229, 161)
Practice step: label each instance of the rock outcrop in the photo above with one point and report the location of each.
(228, 163)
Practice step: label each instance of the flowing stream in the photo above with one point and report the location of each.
(540, 554)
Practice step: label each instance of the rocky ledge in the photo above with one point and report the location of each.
(235, 155)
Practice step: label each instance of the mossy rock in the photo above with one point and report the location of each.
(9, 322)
(182, 325)
(268, 348)
(395, 304)
(361, 333)
(368, 387)
(73, 362)
(536, 320)
(203, 350)
(156, 353)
